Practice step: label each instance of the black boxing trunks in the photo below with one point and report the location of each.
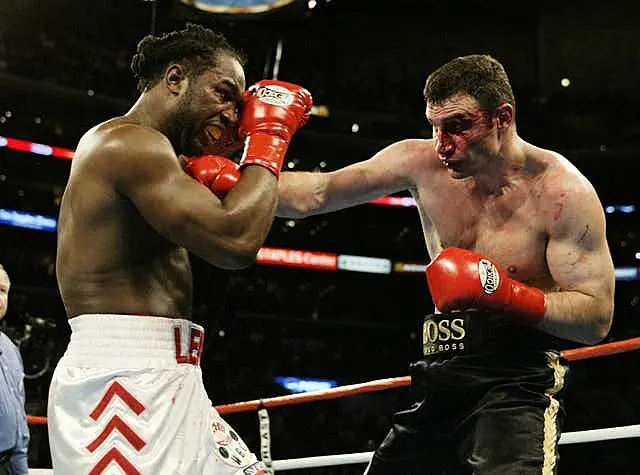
(488, 398)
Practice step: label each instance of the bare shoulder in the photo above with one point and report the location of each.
(562, 179)
(567, 196)
(411, 155)
(412, 149)
(121, 149)
(121, 138)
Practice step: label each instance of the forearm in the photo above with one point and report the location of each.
(301, 194)
(577, 316)
(231, 237)
(250, 208)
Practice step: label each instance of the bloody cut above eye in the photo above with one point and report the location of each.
(457, 125)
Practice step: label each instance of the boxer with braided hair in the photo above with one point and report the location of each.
(128, 390)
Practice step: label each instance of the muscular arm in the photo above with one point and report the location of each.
(304, 193)
(225, 233)
(579, 260)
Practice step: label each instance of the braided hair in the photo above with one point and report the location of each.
(194, 48)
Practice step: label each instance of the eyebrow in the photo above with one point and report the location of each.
(230, 83)
(233, 88)
(457, 116)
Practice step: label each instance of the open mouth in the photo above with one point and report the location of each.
(214, 132)
(209, 135)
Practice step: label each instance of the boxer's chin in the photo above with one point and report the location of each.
(192, 148)
(459, 169)
(458, 174)
(202, 143)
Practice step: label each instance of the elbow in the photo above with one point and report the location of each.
(234, 261)
(243, 246)
(289, 212)
(246, 259)
(296, 204)
(232, 243)
(318, 202)
(243, 237)
(240, 255)
(234, 264)
(601, 326)
(299, 210)
(594, 337)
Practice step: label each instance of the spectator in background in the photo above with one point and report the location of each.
(14, 432)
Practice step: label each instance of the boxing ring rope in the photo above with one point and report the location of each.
(578, 437)
(595, 435)
(389, 383)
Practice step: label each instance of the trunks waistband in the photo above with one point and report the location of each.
(445, 335)
(133, 341)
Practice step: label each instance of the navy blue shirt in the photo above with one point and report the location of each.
(14, 431)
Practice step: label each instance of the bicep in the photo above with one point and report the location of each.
(224, 233)
(140, 164)
(175, 205)
(577, 252)
(165, 196)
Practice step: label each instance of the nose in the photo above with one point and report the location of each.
(444, 143)
(230, 114)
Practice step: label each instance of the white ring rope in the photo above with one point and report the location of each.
(595, 435)
(580, 437)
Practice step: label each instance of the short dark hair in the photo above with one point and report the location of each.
(479, 76)
(194, 47)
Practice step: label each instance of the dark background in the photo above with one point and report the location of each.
(64, 66)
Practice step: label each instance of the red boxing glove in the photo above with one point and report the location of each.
(459, 279)
(219, 174)
(272, 112)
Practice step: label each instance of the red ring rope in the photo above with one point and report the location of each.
(380, 384)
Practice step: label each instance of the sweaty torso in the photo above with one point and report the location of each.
(109, 260)
(511, 228)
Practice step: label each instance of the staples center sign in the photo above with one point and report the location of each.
(297, 258)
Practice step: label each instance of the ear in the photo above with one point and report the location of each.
(175, 78)
(504, 116)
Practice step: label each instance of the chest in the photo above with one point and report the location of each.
(510, 229)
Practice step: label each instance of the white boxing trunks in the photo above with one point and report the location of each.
(127, 398)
